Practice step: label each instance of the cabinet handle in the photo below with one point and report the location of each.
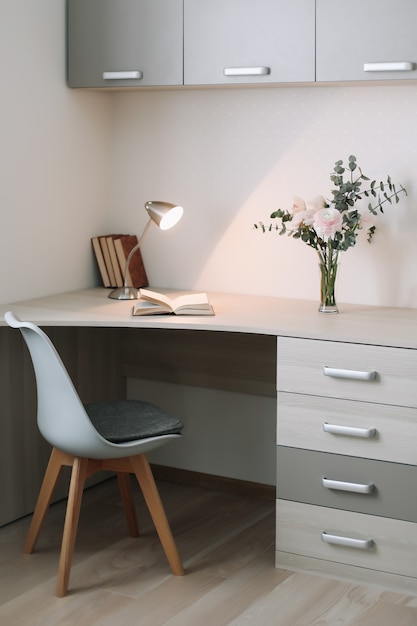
(350, 431)
(135, 74)
(388, 67)
(247, 71)
(340, 485)
(335, 372)
(350, 542)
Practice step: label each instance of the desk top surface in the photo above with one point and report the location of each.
(234, 313)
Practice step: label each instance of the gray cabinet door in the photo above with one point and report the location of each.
(119, 43)
(248, 41)
(366, 40)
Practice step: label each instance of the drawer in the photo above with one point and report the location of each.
(356, 539)
(375, 431)
(348, 483)
(347, 370)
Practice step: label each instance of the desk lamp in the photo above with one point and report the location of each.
(163, 214)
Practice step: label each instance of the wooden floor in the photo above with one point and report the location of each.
(227, 545)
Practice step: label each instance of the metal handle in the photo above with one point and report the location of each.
(388, 67)
(350, 542)
(247, 71)
(340, 485)
(350, 431)
(134, 74)
(335, 372)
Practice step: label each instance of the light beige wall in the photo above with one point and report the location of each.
(74, 164)
(54, 157)
(232, 156)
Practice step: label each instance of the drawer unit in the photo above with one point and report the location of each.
(347, 460)
(374, 431)
(350, 371)
(347, 538)
(352, 484)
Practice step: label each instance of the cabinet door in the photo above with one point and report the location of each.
(119, 43)
(248, 41)
(366, 40)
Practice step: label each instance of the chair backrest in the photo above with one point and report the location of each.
(62, 419)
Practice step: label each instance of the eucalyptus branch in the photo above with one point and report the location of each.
(342, 218)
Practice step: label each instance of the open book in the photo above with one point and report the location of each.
(174, 302)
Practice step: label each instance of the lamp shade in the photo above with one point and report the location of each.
(164, 214)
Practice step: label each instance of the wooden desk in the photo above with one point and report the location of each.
(234, 313)
(240, 349)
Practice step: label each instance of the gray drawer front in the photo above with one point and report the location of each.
(300, 473)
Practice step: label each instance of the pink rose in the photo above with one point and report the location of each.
(327, 222)
(318, 203)
(298, 219)
(309, 217)
(303, 214)
(298, 205)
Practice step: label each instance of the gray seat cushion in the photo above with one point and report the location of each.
(128, 420)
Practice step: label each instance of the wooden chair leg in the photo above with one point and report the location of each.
(125, 487)
(78, 476)
(150, 492)
(50, 479)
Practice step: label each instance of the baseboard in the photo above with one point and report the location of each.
(209, 481)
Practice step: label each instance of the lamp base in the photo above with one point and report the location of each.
(124, 293)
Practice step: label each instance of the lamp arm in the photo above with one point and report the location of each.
(132, 252)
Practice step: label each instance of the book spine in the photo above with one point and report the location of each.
(122, 259)
(114, 261)
(106, 255)
(100, 261)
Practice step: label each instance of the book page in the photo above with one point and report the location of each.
(177, 299)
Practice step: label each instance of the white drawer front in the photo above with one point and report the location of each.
(357, 539)
(362, 429)
(346, 370)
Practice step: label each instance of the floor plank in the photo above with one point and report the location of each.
(227, 545)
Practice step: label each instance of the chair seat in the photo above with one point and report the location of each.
(119, 421)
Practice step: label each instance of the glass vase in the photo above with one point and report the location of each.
(328, 274)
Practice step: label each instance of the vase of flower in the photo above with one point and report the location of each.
(328, 273)
(332, 226)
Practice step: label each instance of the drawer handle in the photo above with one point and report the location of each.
(335, 372)
(247, 71)
(349, 431)
(350, 542)
(341, 485)
(136, 74)
(388, 67)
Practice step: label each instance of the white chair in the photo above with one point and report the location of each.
(112, 436)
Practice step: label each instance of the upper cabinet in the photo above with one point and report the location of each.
(124, 43)
(248, 41)
(133, 43)
(366, 40)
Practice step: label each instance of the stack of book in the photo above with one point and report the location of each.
(111, 252)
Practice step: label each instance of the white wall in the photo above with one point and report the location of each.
(54, 157)
(232, 156)
(74, 164)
